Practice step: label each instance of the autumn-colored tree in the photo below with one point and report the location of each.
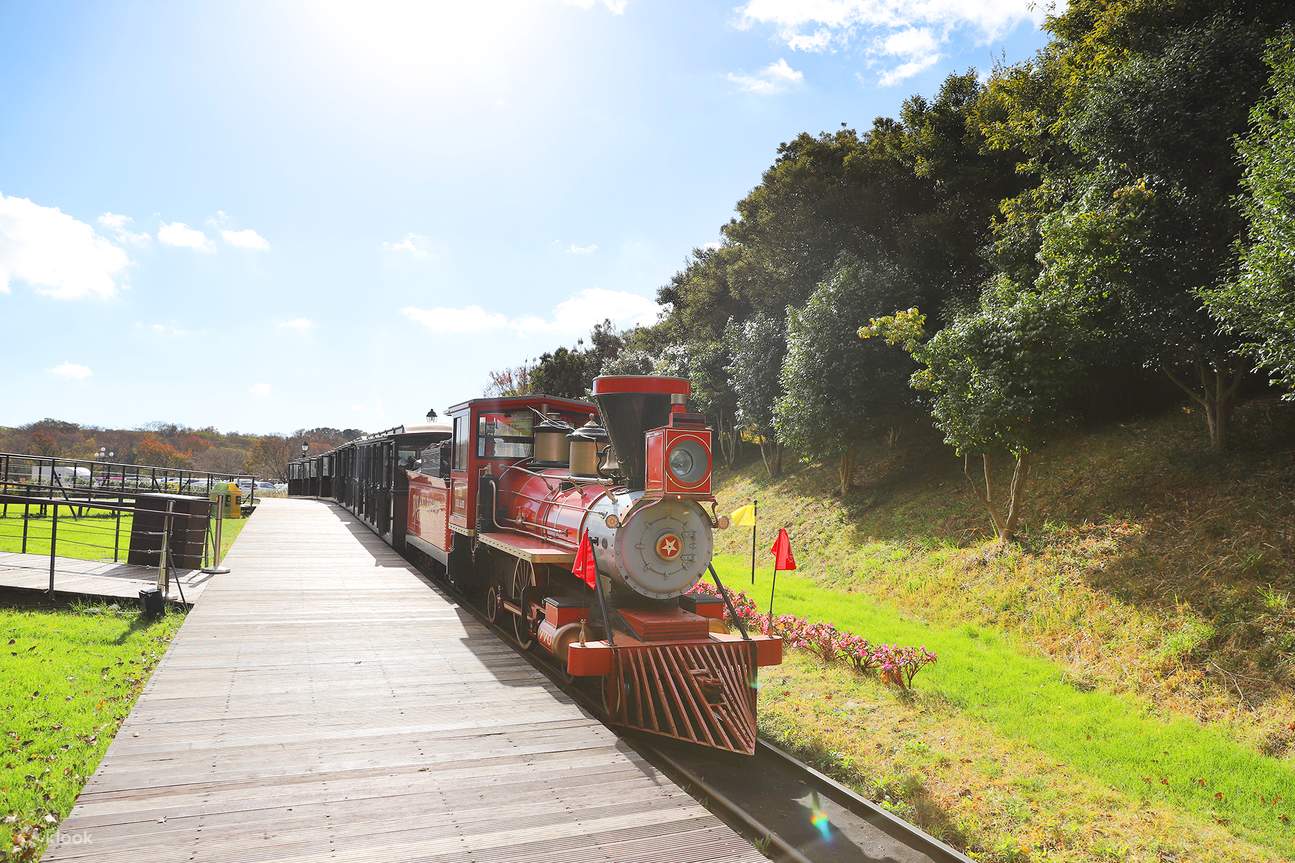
(270, 456)
(154, 451)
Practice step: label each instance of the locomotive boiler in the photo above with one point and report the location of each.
(504, 507)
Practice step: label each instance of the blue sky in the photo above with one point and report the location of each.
(268, 216)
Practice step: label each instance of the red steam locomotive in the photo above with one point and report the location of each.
(505, 500)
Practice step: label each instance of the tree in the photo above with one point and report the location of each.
(221, 459)
(836, 388)
(562, 372)
(155, 452)
(998, 377)
(1258, 303)
(756, 348)
(1126, 121)
(271, 454)
(514, 381)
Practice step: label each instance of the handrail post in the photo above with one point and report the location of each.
(214, 567)
(116, 535)
(26, 509)
(163, 573)
(53, 543)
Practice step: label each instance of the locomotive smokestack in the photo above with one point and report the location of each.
(631, 405)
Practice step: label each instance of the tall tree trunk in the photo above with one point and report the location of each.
(727, 440)
(771, 454)
(1016, 494)
(1216, 395)
(984, 495)
(845, 471)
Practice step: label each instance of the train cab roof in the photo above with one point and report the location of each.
(537, 400)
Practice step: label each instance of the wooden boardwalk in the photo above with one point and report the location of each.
(94, 579)
(323, 703)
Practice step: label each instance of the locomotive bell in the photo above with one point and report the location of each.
(584, 444)
(550, 442)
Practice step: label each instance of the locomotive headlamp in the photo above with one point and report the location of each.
(687, 461)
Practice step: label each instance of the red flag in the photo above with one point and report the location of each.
(782, 556)
(584, 565)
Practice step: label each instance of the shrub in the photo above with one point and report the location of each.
(897, 665)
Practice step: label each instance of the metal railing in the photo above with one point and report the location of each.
(86, 529)
(66, 477)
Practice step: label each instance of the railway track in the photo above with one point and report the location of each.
(789, 810)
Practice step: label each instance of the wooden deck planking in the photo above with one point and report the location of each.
(98, 579)
(323, 703)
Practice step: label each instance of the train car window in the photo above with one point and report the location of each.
(505, 435)
(460, 461)
(431, 460)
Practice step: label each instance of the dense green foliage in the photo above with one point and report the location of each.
(836, 389)
(756, 347)
(1258, 305)
(1057, 227)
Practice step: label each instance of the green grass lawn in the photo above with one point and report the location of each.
(70, 677)
(1020, 695)
(97, 535)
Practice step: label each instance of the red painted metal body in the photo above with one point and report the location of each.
(546, 503)
(429, 502)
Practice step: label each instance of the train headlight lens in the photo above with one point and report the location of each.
(688, 462)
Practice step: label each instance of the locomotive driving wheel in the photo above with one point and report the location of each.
(492, 604)
(523, 582)
(522, 622)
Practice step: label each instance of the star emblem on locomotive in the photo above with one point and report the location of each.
(668, 546)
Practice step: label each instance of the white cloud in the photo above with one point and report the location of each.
(917, 49)
(260, 391)
(467, 319)
(616, 7)
(414, 245)
(772, 79)
(58, 255)
(300, 325)
(71, 371)
(182, 236)
(575, 249)
(824, 25)
(245, 238)
(712, 246)
(815, 42)
(572, 317)
(119, 226)
(845, 18)
(166, 330)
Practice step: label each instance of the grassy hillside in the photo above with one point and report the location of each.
(1150, 598)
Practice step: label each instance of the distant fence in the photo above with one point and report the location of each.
(81, 479)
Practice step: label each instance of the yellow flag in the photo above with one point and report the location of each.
(743, 516)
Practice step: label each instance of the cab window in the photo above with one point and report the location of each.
(503, 434)
(460, 460)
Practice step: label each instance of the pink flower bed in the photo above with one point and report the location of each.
(893, 664)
